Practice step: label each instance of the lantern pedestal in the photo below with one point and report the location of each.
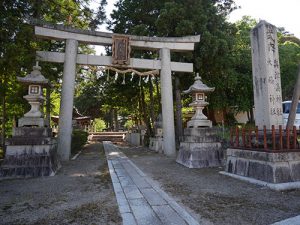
(201, 148)
(199, 119)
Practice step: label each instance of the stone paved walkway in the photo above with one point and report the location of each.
(140, 199)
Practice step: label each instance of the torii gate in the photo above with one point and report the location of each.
(70, 58)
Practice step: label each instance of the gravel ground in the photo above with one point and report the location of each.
(215, 197)
(81, 193)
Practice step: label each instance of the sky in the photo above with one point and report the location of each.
(281, 13)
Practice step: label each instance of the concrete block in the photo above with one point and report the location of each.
(168, 215)
(143, 212)
(132, 192)
(264, 166)
(128, 219)
(152, 197)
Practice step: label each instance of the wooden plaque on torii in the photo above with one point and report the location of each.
(120, 50)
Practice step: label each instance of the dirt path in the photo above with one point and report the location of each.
(81, 193)
(215, 197)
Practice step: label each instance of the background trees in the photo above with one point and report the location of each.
(18, 45)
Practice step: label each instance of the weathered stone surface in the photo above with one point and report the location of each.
(200, 148)
(202, 132)
(31, 121)
(30, 161)
(156, 144)
(32, 131)
(260, 171)
(168, 215)
(143, 212)
(295, 170)
(265, 166)
(153, 197)
(266, 76)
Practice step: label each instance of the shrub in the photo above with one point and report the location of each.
(79, 139)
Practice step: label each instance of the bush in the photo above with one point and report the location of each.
(99, 124)
(79, 139)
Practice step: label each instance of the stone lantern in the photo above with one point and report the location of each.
(35, 82)
(32, 149)
(200, 146)
(199, 91)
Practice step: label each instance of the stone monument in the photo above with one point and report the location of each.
(31, 151)
(266, 76)
(201, 146)
(156, 143)
(277, 168)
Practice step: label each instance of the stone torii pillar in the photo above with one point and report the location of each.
(67, 99)
(167, 103)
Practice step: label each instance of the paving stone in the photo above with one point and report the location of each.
(141, 183)
(143, 213)
(132, 192)
(153, 198)
(121, 173)
(168, 215)
(141, 173)
(128, 219)
(123, 203)
(126, 181)
(114, 178)
(172, 203)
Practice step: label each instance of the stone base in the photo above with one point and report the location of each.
(133, 138)
(30, 161)
(199, 123)
(31, 152)
(156, 144)
(276, 187)
(31, 121)
(200, 148)
(264, 166)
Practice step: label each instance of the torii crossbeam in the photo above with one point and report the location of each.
(70, 58)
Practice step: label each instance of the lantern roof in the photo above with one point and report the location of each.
(198, 86)
(35, 77)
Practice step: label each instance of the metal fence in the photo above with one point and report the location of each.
(274, 140)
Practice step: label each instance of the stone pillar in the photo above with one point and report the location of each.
(167, 103)
(266, 76)
(66, 103)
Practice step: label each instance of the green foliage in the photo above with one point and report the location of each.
(18, 46)
(79, 139)
(289, 57)
(99, 124)
(129, 124)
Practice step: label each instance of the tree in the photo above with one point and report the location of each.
(18, 45)
(179, 18)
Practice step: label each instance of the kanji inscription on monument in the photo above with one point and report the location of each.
(120, 50)
(266, 76)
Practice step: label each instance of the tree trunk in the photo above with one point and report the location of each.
(212, 116)
(111, 119)
(179, 127)
(151, 104)
(144, 111)
(3, 133)
(116, 122)
(158, 95)
(295, 100)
